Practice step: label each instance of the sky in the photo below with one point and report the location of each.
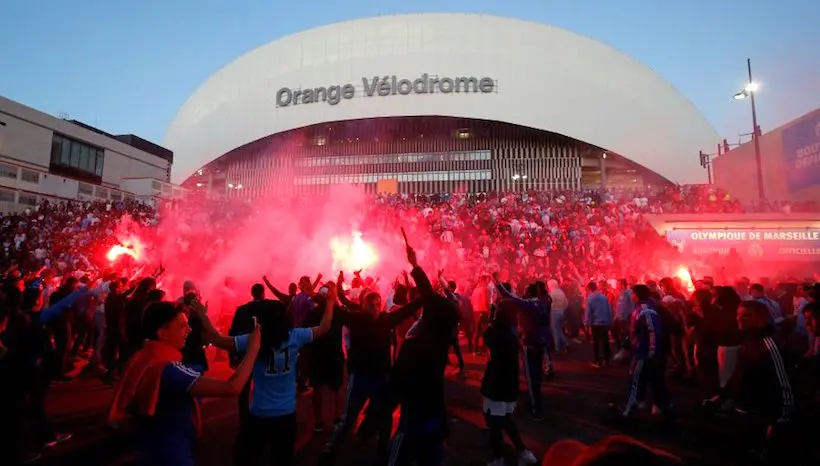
(127, 67)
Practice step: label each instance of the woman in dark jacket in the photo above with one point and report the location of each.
(500, 384)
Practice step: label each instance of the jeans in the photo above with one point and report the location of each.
(99, 335)
(557, 323)
(360, 389)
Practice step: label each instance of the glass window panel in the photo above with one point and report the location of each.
(76, 148)
(65, 152)
(83, 158)
(56, 146)
(100, 160)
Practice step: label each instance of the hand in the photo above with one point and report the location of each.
(440, 273)
(265, 279)
(332, 292)
(341, 277)
(496, 277)
(411, 257)
(255, 338)
(198, 308)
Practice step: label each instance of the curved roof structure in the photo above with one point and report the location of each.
(542, 77)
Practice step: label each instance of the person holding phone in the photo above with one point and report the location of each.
(270, 432)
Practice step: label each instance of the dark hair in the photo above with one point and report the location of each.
(727, 298)
(642, 292)
(158, 315)
(592, 286)
(702, 298)
(155, 295)
(276, 325)
(757, 287)
(258, 291)
(452, 285)
(531, 291)
(30, 297)
(760, 310)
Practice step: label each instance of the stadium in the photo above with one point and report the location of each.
(435, 103)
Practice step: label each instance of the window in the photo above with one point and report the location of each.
(30, 176)
(72, 157)
(85, 189)
(116, 196)
(99, 169)
(65, 152)
(27, 199)
(102, 193)
(6, 195)
(56, 147)
(156, 185)
(8, 171)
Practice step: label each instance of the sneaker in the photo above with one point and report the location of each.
(497, 462)
(620, 355)
(527, 458)
(58, 438)
(319, 427)
(596, 365)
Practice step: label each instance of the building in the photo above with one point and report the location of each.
(44, 157)
(428, 103)
(789, 156)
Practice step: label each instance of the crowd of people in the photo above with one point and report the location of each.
(521, 275)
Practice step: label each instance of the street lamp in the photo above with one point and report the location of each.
(749, 91)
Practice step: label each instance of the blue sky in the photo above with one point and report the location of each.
(129, 66)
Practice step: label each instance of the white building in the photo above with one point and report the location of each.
(44, 157)
(436, 103)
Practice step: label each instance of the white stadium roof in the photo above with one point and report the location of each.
(543, 77)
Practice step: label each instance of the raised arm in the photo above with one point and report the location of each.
(209, 332)
(403, 313)
(327, 317)
(206, 386)
(340, 292)
(285, 298)
(57, 309)
(422, 281)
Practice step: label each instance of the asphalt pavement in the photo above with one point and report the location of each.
(575, 406)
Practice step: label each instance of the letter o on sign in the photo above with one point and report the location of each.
(284, 97)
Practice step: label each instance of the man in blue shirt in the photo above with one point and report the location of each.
(598, 318)
(648, 356)
(271, 428)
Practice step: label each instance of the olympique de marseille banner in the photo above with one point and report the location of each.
(801, 153)
(769, 244)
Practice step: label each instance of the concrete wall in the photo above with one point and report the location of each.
(735, 171)
(26, 138)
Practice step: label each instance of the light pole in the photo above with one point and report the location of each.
(749, 91)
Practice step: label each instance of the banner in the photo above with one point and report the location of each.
(801, 153)
(767, 244)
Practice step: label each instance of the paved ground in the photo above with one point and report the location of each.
(575, 406)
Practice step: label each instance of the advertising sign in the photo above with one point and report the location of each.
(757, 244)
(801, 153)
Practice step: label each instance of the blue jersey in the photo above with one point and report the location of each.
(167, 438)
(274, 376)
(646, 332)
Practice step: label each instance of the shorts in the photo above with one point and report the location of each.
(328, 374)
(498, 408)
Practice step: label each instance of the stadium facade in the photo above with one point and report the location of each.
(433, 103)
